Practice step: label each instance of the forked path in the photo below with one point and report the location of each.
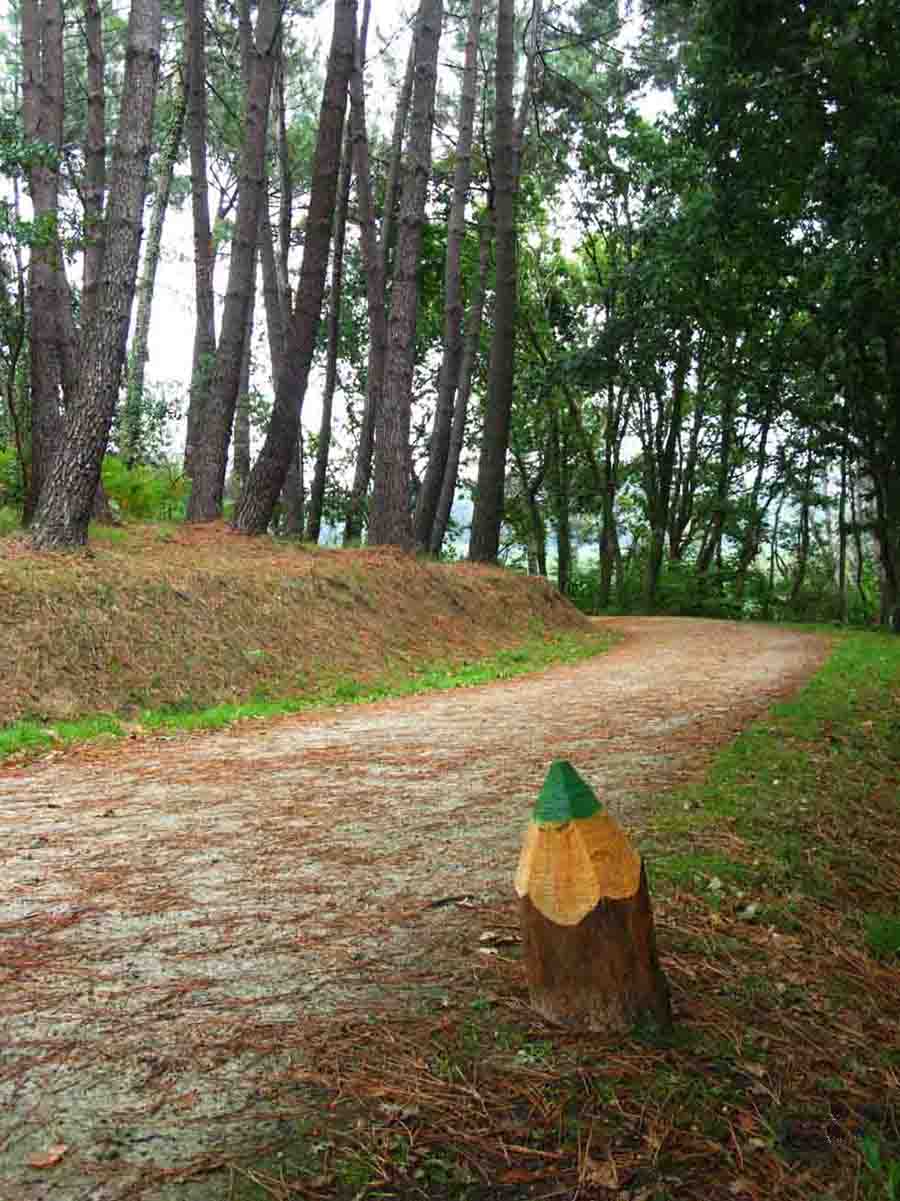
(171, 910)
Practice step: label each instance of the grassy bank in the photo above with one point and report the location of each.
(29, 737)
(187, 626)
(776, 885)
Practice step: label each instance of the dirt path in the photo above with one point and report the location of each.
(170, 910)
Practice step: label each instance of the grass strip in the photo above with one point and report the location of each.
(776, 887)
(33, 736)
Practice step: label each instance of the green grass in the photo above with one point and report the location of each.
(811, 761)
(34, 735)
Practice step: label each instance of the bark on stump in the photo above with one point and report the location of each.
(587, 925)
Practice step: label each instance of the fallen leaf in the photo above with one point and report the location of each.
(519, 1176)
(752, 1069)
(741, 1186)
(604, 1174)
(50, 1157)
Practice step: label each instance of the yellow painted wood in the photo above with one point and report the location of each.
(566, 868)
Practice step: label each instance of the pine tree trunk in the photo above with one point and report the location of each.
(752, 539)
(210, 454)
(257, 503)
(484, 541)
(204, 352)
(843, 592)
(293, 494)
(389, 521)
(42, 111)
(241, 435)
(463, 392)
(562, 501)
(373, 267)
(94, 159)
(65, 505)
(429, 494)
(395, 163)
(134, 401)
(277, 319)
(320, 472)
(660, 443)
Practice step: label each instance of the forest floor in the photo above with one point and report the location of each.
(264, 937)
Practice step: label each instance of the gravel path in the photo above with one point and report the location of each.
(172, 909)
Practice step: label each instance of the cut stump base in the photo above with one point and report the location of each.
(602, 973)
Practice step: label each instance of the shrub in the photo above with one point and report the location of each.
(145, 493)
(12, 486)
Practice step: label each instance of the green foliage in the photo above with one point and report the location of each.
(12, 491)
(145, 493)
(142, 432)
(10, 519)
(884, 1173)
(883, 935)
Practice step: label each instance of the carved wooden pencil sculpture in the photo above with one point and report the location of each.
(587, 925)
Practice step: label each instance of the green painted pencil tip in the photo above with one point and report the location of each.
(565, 796)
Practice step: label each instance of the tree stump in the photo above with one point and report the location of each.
(587, 924)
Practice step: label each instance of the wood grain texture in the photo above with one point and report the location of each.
(602, 973)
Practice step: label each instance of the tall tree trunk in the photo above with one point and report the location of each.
(94, 159)
(843, 592)
(293, 494)
(389, 522)
(681, 511)
(204, 352)
(537, 535)
(752, 539)
(859, 555)
(257, 503)
(241, 436)
(658, 481)
(320, 473)
(286, 191)
(395, 162)
(559, 479)
(711, 548)
(463, 391)
(276, 303)
(64, 508)
(429, 494)
(887, 543)
(13, 381)
(804, 536)
(773, 557)
(616, 417)
(210, 454)
(374, 270)
(42, 110)
(134, 400)
(484, 541)
(241, 433)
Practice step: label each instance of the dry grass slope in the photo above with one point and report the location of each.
(180, 616)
